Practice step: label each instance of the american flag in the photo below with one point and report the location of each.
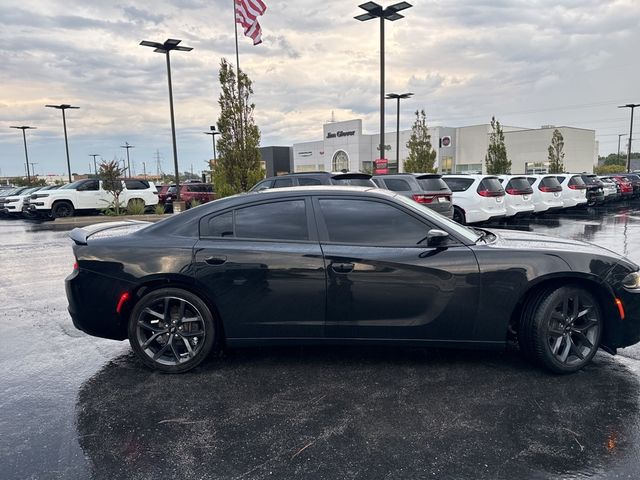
(247, 13)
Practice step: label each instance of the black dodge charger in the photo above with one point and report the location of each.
(352, 265)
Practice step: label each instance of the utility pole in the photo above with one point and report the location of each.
(26, 155)
(632, 106)
(33, 170)
(144, 170)
(127, 146)
(95, 168)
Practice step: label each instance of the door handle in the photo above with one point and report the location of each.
(342, 267)
(219, 260)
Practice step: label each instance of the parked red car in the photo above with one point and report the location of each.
(201, 192)
(626, 188)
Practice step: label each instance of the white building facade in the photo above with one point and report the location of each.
(344, 146)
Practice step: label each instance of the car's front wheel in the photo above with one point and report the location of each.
(62, 209)
(171, 330)
(458, 216)
(562, 328)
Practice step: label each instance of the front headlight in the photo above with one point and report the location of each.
(632, 281)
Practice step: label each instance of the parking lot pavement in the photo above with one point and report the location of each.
(74, 406)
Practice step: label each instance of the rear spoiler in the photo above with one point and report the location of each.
(81, 235)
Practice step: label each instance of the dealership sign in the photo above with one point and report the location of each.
(380, 166)
(341, 133)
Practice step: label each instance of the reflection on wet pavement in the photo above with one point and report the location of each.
(74, 406)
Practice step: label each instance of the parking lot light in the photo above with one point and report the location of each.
(632, 106)
(26, 154)
(165, 48)
(398, 97)
(64, 107)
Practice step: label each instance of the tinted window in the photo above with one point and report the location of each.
(550, 182)
(283, 182)
(262, 185)
(519, 184)
(172, 189)
(432, 184)
(531, 180)
(136, 184)
(560, 179)
(365, 222)
(490, 184)
(89, 185)
(277, 221)
(577, 180)
(219, 226)
(378, 182)
(458, 184)
(397, 185)
(304, 181)
(207, 188)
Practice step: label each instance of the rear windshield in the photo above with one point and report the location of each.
(397, 185)
(432, 184)
(550, 182)
(519, 184)
(458, 184)
(531, 180)
(590, 180)
(577, 180)
(491, 184)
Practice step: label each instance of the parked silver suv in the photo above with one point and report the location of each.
(426, 188)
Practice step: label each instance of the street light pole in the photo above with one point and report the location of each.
(26, 154)
(166, 47)
(64, 107)
(398, 96)
(632, 106)
(95, 168)
(390, 13)
(213, 134)
(620, 135)
(127, 146)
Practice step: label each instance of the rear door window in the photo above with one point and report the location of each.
(273, 221)
(432, 184)
(136, 184)
(283, 182)
(577, 181)
(306, 181)
(262, 185)
(458, 184)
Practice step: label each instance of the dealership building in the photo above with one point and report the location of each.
(458, 149)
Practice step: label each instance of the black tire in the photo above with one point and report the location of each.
(171, 330)
(62, 209)
(458, 216)
(561, 328)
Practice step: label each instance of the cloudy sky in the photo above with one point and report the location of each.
(535, 62)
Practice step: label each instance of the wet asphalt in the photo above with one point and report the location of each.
(74, 406)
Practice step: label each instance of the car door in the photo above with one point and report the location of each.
(88, 195)
(383, 282)
(263, 266)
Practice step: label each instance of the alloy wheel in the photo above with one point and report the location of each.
(170, 330)
(573, 329)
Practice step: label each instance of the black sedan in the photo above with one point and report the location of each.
(345, 265)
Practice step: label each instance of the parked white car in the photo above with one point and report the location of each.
(547, 193)
(12, 204)
(574, 190)
(518, 199)
(610, 189)
(89, 195)
(476, 198)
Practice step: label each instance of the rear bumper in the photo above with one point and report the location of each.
(93, 299)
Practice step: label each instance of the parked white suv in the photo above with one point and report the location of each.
(518, 199)
(574, 190)
(547, 193)
(88, 195)
(476, 198)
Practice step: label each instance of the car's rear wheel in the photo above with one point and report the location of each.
(171, 330)
(62, 209)
(562, 328)
(458, 216)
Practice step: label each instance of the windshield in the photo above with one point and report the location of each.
(466, 233)
(72, 186)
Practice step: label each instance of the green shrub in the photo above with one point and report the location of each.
(194, 203)
(136, 207)
(159, 209)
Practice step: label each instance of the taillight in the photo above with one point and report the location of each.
(515, 191)
(578, 187)
(420, 198)
(75, 265)
(489, 193)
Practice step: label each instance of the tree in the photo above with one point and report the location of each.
(556, 155)
(111, 175)
(422, 156)
(238, 165)
(496, 159)
(22, 182)
(609, 169)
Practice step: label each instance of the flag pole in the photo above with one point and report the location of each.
(235, 24)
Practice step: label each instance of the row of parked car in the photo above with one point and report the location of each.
(481, 198)
(465, 198)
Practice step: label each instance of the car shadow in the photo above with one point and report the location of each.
(358, 412)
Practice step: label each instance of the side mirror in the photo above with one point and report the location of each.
(436, 236)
